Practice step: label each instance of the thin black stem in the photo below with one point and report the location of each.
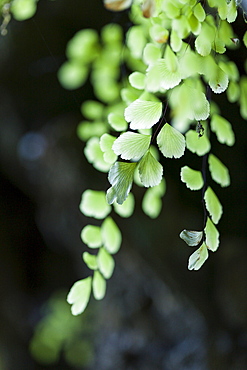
(205, 185)
(158, 128)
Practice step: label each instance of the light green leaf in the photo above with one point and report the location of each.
(106, 263)
(91, 235)
(72, 74)
(212, 236)
(231, 11)
(90, 260)
(23, 9)
(192, 178)
(117, 122)
(219, 81)
(131, 145)
(159, 34)
(79, 295)
(150, 170)
(106, 142)
(93, 204)
(199, 12)
(171, 142)
(219, 171)
(176, 41)
(111, 235)
(192, 238)
(143, 114)
(152, 202)
(151, 53)
(127, 208)
(198, 258)
(137, 80)
(223, 130)
(120, 176)
(199, 105)
(92, 109)
(233, 92)
(245, 39)
(88, 129)
(95, 155)
(168, 72)
(99, 285)
(213, 205)
(198, 145)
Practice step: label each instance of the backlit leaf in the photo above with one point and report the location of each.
(106, 142)
(219, 171)
(117, 122)
(131, 145)
(137, 80)
(192, 178)
(95, 155)
(171, 142)
(106, 263)
(90, 260)
(127, 208)
(223, 130)
(143, 114)
(198, 145)
(111, 235)
(93, 204)
(219, 81)
(151, 53)
(192, 238)
(91, 235)
(23, 9)
(152, 202)
(120, 176)
(99, 285)
(213, 205)
(212, 236)
(150, 170)
(79, 295)
(198, 258)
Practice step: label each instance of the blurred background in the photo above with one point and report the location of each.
(156, 314)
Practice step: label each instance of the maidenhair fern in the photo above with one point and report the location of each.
(154, 92)
(176, 54)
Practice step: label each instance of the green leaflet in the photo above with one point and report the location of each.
(198, 145)
(192, 238)
(91, 235)
(143, 114)
(131, 145)
(92, 110)
(99, 285)
(150, 170)
(106, 263)
(90, 260)
(127, 208)
(106, 142)
(223, 130)
(93, 204)
(72, 74)
(219, 171)
(198, 258)
(192, 178)
(213, 205)
(151, 53)
(212, 236)
(23, 9)
(199, 12)
(152, 203)
(117, 122)
(219, 81)
(120, 176)
(95, 155)
(165, 73)
(171, 142)
(111, 236)
(88, 129)
(79, 295)
(137, 80)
